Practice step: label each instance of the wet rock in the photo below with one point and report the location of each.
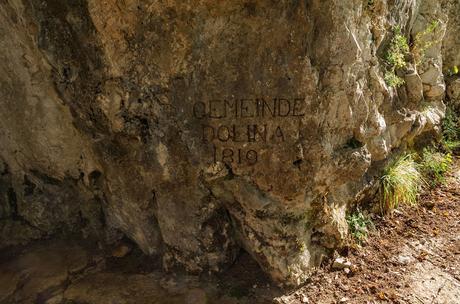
(17, 233)
(41, 272)
(126, 289)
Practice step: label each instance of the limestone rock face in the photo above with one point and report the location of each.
(197, 128)
(451, 43)
(451, 54)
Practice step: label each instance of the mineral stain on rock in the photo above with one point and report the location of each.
(198, 129)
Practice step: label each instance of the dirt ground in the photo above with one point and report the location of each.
(412, 256)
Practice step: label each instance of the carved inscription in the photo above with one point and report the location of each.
(236, 127)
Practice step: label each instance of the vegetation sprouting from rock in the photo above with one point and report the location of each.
(395, 58)
(423, 41)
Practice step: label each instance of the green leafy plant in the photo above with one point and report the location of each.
(393, 80)
(451, 146)
(450, 125)
(400, 183)
(421, 43)
(453, 71)
(395, 58)
(359, 225)
(434, 165)
(451, 130)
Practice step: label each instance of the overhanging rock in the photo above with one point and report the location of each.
(199, 128)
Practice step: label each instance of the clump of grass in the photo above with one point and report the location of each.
(434, 165)
(359, 225)
(400, 184)
(395, 58)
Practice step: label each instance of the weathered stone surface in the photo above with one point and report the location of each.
(119, 288)
(40, 272)
(453, 91)
(197, 128)
(451, 43)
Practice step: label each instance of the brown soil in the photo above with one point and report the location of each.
(386, 268)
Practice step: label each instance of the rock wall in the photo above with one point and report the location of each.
(197, 129)
(451, 54)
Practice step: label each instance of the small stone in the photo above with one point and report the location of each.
(404, 259)
(282, 300)
(254, 286)
(305, 299)
(347, 270)
(344, 300)
(341, 263)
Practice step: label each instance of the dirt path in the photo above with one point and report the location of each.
(411, 257)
